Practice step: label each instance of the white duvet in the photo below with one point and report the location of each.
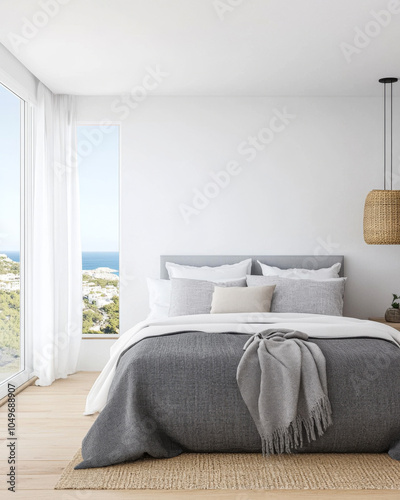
(315, 325)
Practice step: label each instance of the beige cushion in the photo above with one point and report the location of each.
(241, 300)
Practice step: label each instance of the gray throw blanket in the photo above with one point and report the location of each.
(282, 380)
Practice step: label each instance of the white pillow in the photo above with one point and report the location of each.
(159, 298)
(206, 273)
(304, 274)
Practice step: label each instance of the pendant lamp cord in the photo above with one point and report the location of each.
(391, 136)
(388, 148)
(384, 136)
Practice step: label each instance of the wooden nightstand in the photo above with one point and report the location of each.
(382, 320)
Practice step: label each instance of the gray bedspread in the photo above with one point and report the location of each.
(179, 393)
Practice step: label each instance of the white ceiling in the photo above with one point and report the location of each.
(260, 47)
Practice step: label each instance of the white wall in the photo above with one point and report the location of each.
(16, 75)
(94, 354)
(303, 194)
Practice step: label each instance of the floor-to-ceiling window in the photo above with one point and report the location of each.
(12, 168)
(98, 163)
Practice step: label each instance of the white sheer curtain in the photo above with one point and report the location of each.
(56, 303)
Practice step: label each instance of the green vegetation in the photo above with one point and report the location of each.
(8, 267)
(9, 320)
(101, 319)
(395, 300)
(112, 311)
(90, 320)
(98, 281)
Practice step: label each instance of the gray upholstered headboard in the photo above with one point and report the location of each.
(282, 261)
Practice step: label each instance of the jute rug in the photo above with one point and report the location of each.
(237, 471)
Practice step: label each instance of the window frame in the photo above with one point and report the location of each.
(102, 123)
(26, 162)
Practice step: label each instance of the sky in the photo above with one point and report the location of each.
(9, 170)
(98, 163)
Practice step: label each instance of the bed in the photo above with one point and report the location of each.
(170, 385)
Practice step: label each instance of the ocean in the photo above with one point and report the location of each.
(93, 260)
(90, 260)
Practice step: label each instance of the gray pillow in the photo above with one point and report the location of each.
(304, 296)
(195, 296)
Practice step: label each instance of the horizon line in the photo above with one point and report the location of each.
(92, 251)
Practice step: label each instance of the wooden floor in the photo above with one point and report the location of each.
(50, 427)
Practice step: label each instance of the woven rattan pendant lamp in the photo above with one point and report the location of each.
(382, 206)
